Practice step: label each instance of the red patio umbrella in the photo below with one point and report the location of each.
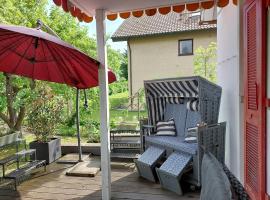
(38, 55)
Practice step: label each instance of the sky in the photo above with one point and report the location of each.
(111, 27)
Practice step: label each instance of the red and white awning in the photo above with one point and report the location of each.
(79, 9)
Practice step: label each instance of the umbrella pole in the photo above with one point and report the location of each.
(78, 124)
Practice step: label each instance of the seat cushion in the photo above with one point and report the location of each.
(176, 143)
(178, 112)
(215, 183)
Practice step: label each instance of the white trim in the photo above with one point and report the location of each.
(104, 105)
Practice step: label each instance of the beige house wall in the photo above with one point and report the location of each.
(157, 56)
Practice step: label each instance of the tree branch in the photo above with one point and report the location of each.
(5, 119)
(10, 98)
(20, 118)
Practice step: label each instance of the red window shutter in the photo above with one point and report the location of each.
(254, 13)
(252, 58)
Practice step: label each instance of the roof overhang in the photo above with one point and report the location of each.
(85, 10)
(126, 38)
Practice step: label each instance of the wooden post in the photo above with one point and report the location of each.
(104, 105)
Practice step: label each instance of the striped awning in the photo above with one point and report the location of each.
(172, 88)
(170, 91)
(70, 7)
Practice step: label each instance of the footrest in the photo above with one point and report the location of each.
(147, 162)
(171, 170)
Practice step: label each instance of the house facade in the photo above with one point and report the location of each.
(162, 46)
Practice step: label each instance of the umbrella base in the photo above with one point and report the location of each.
(88, 168)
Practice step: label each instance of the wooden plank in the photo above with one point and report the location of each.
(71, 158)
(56, 185)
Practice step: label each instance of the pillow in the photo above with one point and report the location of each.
(166, 128)
(191, 135)
(193, 105)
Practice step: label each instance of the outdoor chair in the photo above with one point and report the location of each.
(193, 103)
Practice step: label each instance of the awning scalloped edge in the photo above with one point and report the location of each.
(76, 12)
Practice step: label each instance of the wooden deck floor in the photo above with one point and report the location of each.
(54, 184)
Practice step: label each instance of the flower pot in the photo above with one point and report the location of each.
(49, 151)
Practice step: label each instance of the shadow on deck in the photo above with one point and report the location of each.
(126, 184)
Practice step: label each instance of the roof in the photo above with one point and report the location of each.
(159, 24)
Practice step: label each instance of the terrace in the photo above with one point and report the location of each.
(126, 184)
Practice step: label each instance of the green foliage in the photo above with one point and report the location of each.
(71, 31)
(67, 131)
(124, 66)
(205, 62)
(24, 96)
(118, 87)
(119, 100)
(45, 114)
(21, 12)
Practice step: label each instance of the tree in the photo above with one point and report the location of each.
(205, 62)
(17, 92)
(124, 66)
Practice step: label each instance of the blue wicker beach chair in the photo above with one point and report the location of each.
(193, 104)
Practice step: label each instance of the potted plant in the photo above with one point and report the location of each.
(43, 120)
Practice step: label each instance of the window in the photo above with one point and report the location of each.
(185, 47)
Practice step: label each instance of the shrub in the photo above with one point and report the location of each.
(119, 100)
(92, 131)
(45, 114)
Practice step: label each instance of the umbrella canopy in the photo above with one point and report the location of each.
(38, 55)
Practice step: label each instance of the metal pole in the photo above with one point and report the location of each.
(78, 124)
(40, 25)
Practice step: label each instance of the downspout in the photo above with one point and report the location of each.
(130, 73)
